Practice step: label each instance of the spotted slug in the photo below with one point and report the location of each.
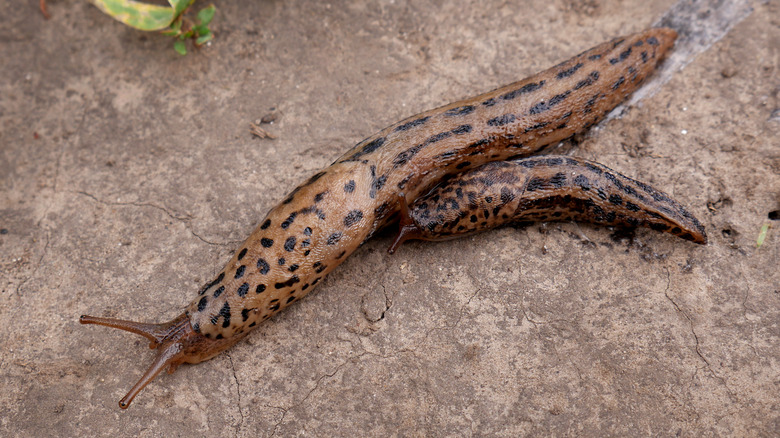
(327, 217)
(549, 188)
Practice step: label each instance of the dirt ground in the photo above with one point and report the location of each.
(128, 176)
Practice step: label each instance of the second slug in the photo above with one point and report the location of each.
(543, 189)
(320, 223)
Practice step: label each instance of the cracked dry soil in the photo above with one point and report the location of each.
(128, 176)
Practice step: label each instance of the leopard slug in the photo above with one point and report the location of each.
(326, 218)
(542, 189)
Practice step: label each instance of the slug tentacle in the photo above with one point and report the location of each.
(407, 229)
(177, 342)
(549, 188)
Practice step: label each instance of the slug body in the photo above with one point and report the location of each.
(543, 189)
(326, 218)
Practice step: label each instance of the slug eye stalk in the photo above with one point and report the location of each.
(177, 343)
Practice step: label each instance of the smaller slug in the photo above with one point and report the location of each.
(537, 189)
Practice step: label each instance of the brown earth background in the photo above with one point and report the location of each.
(128, 176)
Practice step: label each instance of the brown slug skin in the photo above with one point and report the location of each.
(547, 188)
(326, 218)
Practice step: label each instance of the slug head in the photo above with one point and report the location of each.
(177, 343)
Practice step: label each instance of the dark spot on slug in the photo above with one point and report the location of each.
(644, 57)
(443, 157)
(594, 57)
(260, 288)
(319, 196)
(289, 244)
(625, 54)
(290, 300)
(202, 304)
(305, 243)
(372, 146)
(652, 41)
(631, 206)
(349, 187)
(412, 124)
(282, 261)
(618, 83)
(536, 126)
(593, 168)
(287, 222)
(266, 224)
(535, 183)
(307, 231)
(266, 242)
(242, 290)
(462, 129)
(592, 77)
(242, 254)
(506, 195)
(558, 180)
(460, 111)
(334, 238)
(377, 185)
(501, 120)
(219, 291)
(263, 266)
(658, 226)
(352, 218)
(224, 312)
(315, 177)
(527, 88)
(615, 199)
(293, 268)
(438, 137)
(341, 254)
(479, 143)
(240, 272)
(208, 286)
(245, 314)
(463, 164)
(569, 71)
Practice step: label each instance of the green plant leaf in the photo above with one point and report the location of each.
(180, 47)
(206, 14)
(200, 29)
(762, 235)
(180, 5)
(138, 15)
(204, 39)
